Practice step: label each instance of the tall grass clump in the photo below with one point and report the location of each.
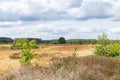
(106, 48)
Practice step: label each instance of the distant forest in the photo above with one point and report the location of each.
(6, 40)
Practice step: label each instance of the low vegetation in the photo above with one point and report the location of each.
(105, 48)
(70, 68)
(55, 65)
(17, 43)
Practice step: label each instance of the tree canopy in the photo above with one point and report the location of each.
(61, 40)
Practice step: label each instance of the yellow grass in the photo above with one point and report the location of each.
(45, 52)
(56, 62)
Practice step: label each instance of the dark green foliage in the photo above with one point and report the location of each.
(105, 48)
(46, 41)
(61, 40)
(19, 41)
(4, 40)
(72, 41)
(54, 41)
(38, 41)
(81, 41)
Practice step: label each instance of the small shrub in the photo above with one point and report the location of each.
(74, 53)
(17, 43)
(27, 53)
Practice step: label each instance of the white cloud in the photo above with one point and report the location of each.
(54, 18)
(68, 29)
(8, 24)
(115, 30)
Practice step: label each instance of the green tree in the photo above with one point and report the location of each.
(61, 40)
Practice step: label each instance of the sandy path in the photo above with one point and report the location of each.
(85, 52)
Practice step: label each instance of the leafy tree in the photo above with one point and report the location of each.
(61, 40)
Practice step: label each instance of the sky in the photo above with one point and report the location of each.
(51, 19)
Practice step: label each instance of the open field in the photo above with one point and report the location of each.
(45, 52)
(56, 62)
(60, 50)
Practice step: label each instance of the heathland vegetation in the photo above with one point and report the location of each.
(48, 61)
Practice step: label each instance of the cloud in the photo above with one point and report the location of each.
(50, 19)
(41, 10)
(9, 24)
(115, 30)
(90, 9)
(41, 30)
(55, 29)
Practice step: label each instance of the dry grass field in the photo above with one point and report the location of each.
(56, 62)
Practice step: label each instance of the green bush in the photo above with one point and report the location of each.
(111, 50)
(34, 44)
(27, 52)
(17, 43)
(107, 49)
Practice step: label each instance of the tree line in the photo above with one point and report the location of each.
(61, 40)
